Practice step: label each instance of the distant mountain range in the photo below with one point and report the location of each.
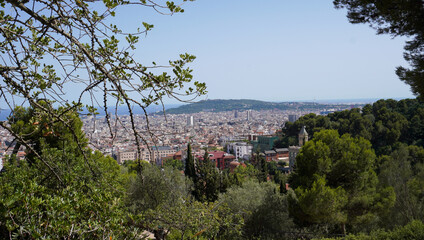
(220, 105)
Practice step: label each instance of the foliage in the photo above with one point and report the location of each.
(261, 166)
(322, 203)
(242, 174)
(207, 181)
(190, 219)
(144, 193)
(35, 127)
(220, 105)
(174, 163)
(413, 230)
(264, 211)
(63, 190)
(335, 182)
(190, 170)
(404, 171)
(397, 18)
(384, 124)
(29, 209)
(48, 46)
(161, 202)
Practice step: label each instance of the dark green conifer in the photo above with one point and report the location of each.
(207, 181)
(189, 164)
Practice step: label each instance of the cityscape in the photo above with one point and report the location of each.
(185, 119)
(237, 133)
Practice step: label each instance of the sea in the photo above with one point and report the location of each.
(121, 110)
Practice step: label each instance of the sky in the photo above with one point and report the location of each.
(275, 50)
(270, 50)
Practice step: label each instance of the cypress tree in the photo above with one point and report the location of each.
(262, 167)
(189, 164)
(207, 183)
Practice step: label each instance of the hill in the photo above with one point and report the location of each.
(220, 105)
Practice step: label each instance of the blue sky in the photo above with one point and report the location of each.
(274, 50)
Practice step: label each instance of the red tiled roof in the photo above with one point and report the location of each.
(217, 154)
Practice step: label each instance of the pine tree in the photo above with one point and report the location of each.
(335, 182)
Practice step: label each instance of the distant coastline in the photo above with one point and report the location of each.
(121, 110)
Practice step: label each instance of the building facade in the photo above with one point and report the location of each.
(126, 156)
(152, 155)
(293, 118)
(294, 150)
(241, 150)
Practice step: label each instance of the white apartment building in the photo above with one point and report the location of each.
(241, 150)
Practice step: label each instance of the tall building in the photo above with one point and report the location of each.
(190, 121)
(293, 118)
(249, 115)
(236, 114)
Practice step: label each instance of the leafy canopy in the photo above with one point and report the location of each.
(335, 181)
(72, 53)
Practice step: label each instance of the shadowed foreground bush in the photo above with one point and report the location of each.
(414, 230)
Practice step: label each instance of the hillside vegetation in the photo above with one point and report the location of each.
(220, 105)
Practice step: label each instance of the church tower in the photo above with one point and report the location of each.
(303, 136)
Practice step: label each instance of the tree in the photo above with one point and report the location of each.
(242, 174)
(34, 128)
(261, 166)
(207, 180)
(384, 124)
(47, 46)
(335, 182)
(157, 187)
(403, 170)
(160, 200)
(413, 230)
(152, 194)
(264, 211)
(190, 170)
(321, 203)
(62, 190)
(174, 163)
(397, 18)
(190, 219)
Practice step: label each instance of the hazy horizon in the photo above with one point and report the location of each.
(155, 108)
(278, 51)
